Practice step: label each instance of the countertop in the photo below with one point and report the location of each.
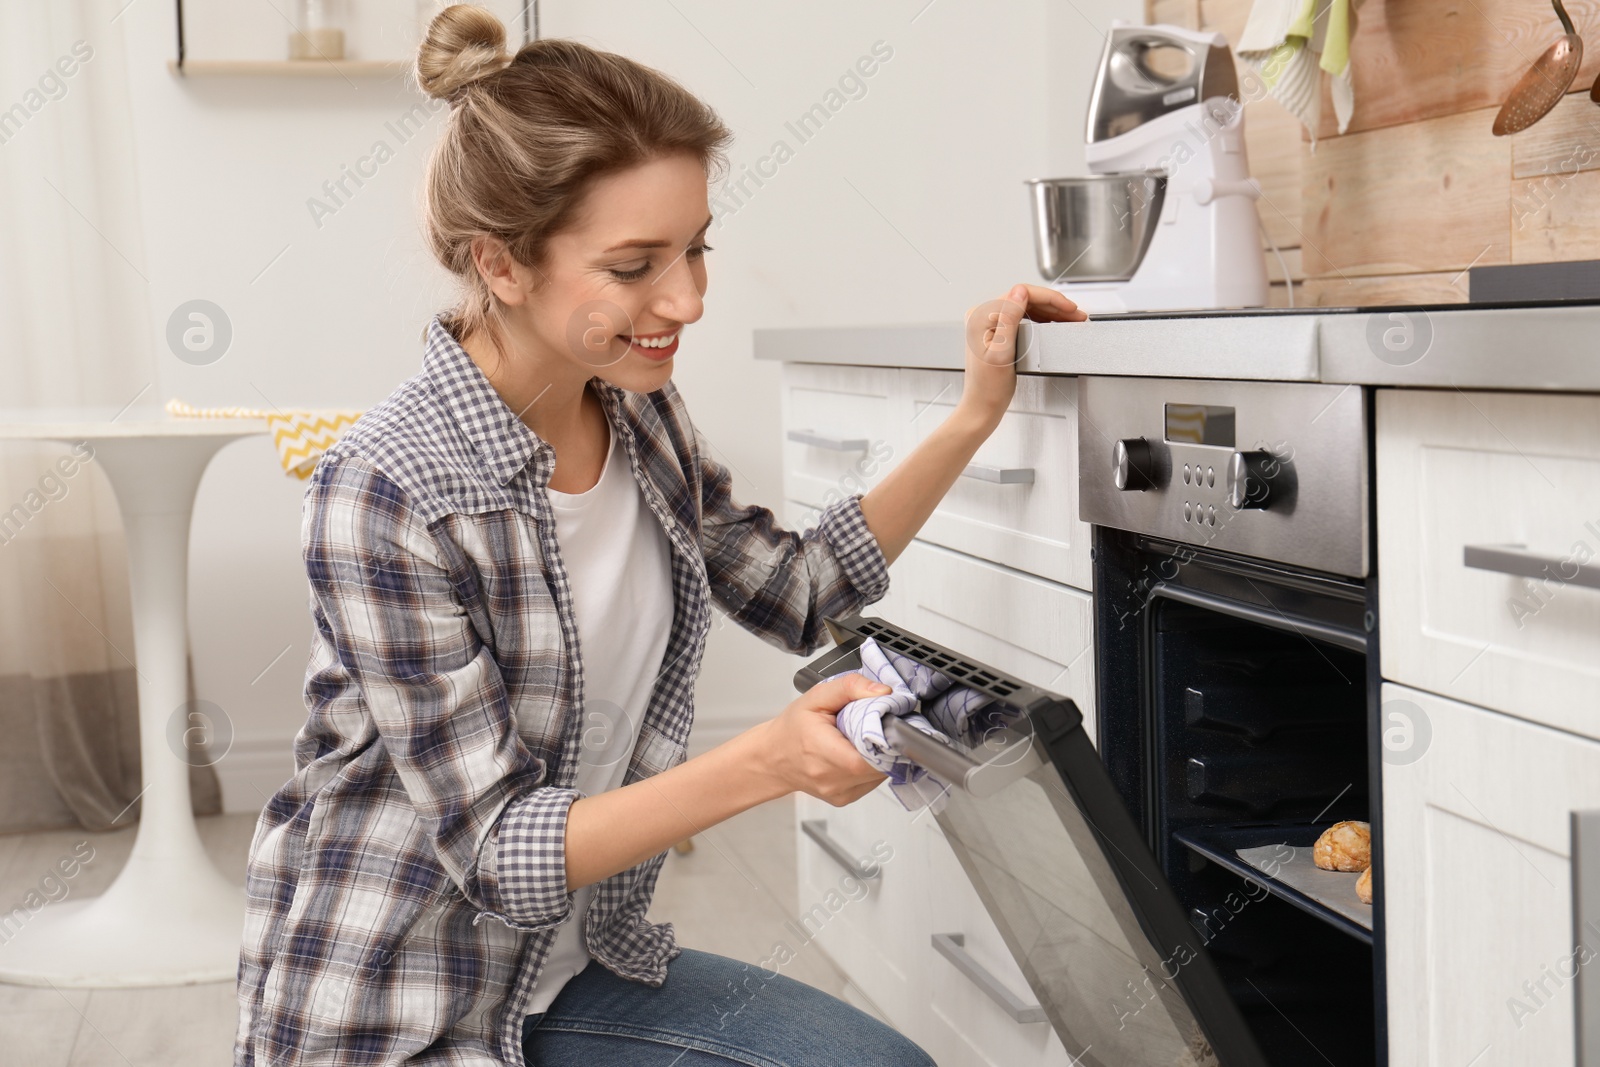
(1462, 346)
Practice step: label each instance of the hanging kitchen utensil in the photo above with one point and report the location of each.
(1545, 83)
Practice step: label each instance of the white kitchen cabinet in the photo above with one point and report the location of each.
(1018, 502)
(844, 429)
(1041, 632)
(1021, 614)
(1478, 884)
(866, 926)
(1474, 472)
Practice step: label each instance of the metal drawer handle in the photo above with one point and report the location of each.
(817, 830)
(1585, 922)
(1004, 475)
(951, 947)
(822, 440)
(1017, 758)
(1517, 561)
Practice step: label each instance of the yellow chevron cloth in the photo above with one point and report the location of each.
(299, 436)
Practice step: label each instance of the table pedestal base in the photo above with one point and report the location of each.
(170, 917)
(161, 923)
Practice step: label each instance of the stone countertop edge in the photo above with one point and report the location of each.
(1553, 348)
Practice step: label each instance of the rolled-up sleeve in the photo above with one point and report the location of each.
(382, 590)
(777, 583)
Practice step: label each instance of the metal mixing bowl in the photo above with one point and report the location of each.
(1094, 229)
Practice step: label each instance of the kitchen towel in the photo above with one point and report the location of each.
(922, 698)
(1288, 43)
(299, 436)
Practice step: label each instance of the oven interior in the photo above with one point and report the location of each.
(1234, 714)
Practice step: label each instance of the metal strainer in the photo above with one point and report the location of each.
(1546, 82)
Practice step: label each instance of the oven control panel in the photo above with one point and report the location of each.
(1273, 470)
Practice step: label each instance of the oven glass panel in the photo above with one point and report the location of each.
(1033, 857)
(1200, 424)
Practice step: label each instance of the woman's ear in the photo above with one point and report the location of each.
(508, 280)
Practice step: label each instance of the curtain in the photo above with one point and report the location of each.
(75, 329)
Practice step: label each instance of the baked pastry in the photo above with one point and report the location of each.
(1344, 846)
(1364, 886)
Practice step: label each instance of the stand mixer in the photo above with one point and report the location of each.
(1167, 221)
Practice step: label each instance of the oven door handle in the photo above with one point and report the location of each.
(1334, 635)
(1017, 758)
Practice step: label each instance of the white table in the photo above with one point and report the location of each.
(170, 918)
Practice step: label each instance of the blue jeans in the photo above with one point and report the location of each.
(710, 1012)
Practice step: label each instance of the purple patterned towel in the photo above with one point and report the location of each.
(922, 698)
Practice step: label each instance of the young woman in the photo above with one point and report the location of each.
(513, 561)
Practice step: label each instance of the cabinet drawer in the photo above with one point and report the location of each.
(1477, 884)
(1032, 524)
(1460, 471)
(964, 1025)
(841, 429)
(867, 927)
(1037, 630)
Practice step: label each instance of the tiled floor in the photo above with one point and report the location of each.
(731, 895)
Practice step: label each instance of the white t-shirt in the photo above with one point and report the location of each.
(619, 568)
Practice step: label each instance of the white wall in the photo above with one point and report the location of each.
(907, 206)
(322, 315)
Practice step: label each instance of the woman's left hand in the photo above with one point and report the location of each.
(896, 507)
(991, 375)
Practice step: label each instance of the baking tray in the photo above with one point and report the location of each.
(1252, 851)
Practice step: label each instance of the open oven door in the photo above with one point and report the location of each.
(1063, 870)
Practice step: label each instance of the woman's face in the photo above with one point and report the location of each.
(621, 283)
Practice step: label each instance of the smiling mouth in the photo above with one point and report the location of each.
(659, 346)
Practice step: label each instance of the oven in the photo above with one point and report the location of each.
(1155, 889)
(1236, 646)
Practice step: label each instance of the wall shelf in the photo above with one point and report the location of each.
(527, 13)
(296, 68)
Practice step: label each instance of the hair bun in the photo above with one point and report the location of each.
(463, 43)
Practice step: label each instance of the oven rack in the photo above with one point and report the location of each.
(1220, 844)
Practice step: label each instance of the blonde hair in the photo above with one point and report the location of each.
(528, 133)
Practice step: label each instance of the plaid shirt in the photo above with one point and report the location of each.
(406, 884)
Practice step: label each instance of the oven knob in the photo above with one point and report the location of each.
(1250, 477)
(1133, 465)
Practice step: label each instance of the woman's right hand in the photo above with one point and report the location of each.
(805, 750)
(799, 750)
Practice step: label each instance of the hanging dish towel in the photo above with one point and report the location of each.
(922, 698)
(1289, 43)
(299, 436)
